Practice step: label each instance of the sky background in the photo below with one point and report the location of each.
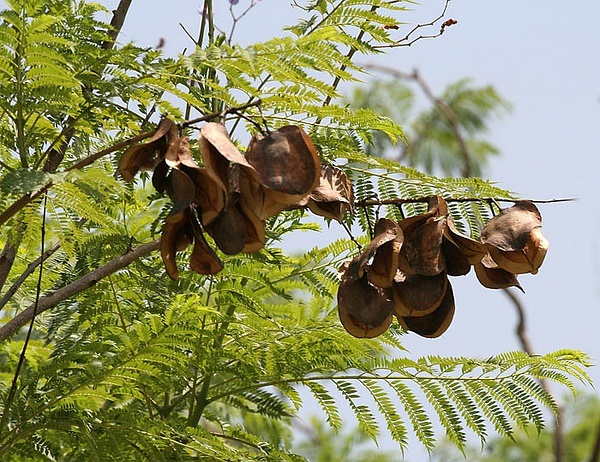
(544, 58)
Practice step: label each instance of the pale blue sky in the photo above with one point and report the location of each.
(543, 57)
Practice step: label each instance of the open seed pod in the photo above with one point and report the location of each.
(423, 249)
(256, 231)
(514, 238)
(180, 189)
(286, 162)
(208, 197)
(423, 236)
(365, 311)
(176, 235)
(434, 324)
(145, 156)
(472, 250)
(389, 239)
(457, 264)
(236, 229)
(230, 229)
(490, 275)
(416, 295)
(219, 153)
(256, 198)
(332, 196)
(203, 260)
(385, 231)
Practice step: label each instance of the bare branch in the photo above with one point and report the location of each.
(54, 298)
(442, 106)
(521, 332)
(408, 39)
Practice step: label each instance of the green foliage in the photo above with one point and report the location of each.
(433, 143)
(136, 366)
(580, 430)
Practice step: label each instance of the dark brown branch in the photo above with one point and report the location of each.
(28, 271)
(116, 24)
(521, 332)
(54, 298)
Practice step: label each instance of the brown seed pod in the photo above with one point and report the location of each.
(423, 248)
(180, 189)
(256, 231)
(490, 275)
(208, 197)
(286, 162)
(457, 264)
(203, 260)
(176, 235)
(385, 231)
(333, 196)
(416, 295)
(384, 266)
(365, 310)
(473, 250)
(145, 156)
(434, 324)
(230, 229)
(219, 153)
(256, 199)
(514, 238)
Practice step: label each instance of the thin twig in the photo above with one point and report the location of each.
(406, 41)
(30, 269)
(54, 298)
(418, 200)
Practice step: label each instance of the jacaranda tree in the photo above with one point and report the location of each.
(149, 308)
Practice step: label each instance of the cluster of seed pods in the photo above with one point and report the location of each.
(404, 270)
(402, 273)
(232, 194)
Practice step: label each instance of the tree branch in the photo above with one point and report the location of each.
(521, 332)
(7, 258)
(116, 24)
(416, 200)
(54, 298)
